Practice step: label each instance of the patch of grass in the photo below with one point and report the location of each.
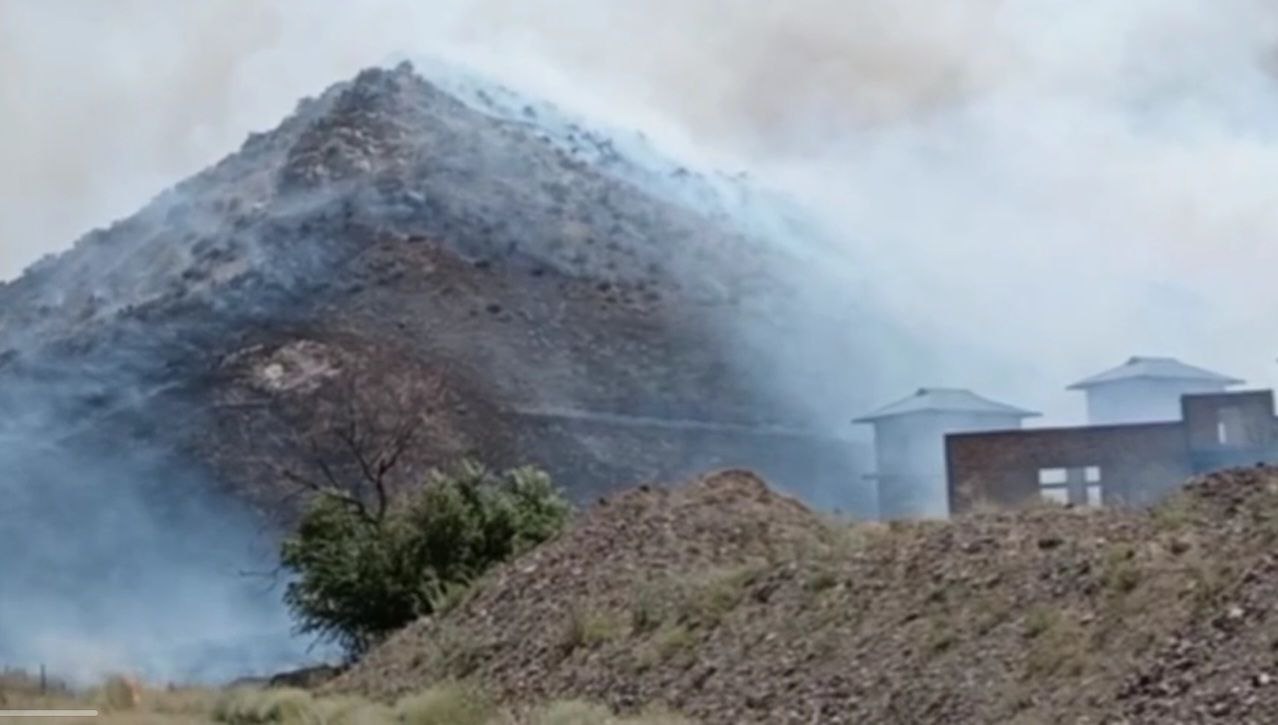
(1208, 581)
(1175, 514)
(1039, 620)
(355, 711)
(848, 538)
(589, 629)
(451, 595)
(668, 643)
(709, 603)
(650, 605)
(657, 715)
(577, 712)
(179, 700)
(1264, 511)
(700, 600)
(451, 703)
(1058, 644)
(452, 653)
(446, 704)
(571, 712)
(821, 580)
(673, 640)
(261, 707)
(1121, 573)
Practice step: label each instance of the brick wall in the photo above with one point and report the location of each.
(1138, 463)
(1245, 421)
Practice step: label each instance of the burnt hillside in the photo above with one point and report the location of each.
(387, 233)
(517, 282)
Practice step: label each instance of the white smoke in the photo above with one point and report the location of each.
(128, 562)
(1045, 187)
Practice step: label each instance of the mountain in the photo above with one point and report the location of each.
(529, 290)
(392, 227)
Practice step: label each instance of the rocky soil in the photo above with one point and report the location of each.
(733, 604)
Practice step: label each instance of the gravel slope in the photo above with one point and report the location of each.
(736, 605)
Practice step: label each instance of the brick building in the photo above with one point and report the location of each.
(1129, 462)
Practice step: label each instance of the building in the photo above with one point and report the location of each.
(1124, 464)
(909, 444)
(1147, 390)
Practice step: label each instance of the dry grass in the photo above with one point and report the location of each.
(1056, 644)
(117, 701)
(122, 703)
(589, 629)
(447, 704)
(576, 712)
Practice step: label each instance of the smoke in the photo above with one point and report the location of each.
(1036, 189)
(1039, 188)
(128, 561)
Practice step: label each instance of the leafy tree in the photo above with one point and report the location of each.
(360, 572)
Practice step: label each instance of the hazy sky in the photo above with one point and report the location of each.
(1058, 183)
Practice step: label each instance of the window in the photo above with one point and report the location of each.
(1080, 486)
(1053, 485)
(1053, 476)
(1229, 426)
(1094, 495)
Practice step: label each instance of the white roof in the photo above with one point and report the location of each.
(945, 400)
(1155, 368)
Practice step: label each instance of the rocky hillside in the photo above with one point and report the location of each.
(735, 605)
(515, 286)
(573, 308)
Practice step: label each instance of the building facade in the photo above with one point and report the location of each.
(1131, 464)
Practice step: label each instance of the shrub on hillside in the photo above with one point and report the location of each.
(359, 576)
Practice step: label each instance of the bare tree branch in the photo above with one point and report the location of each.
(356, 440)
(334, 493)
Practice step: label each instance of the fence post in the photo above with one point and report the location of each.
(44, 681)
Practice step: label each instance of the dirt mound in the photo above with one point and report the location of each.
(733, 605)
(530, 625)
(1223, 665)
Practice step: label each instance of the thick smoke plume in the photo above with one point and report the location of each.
(1037, 189)
(1042, 187)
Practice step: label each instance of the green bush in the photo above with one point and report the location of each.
(356, 577)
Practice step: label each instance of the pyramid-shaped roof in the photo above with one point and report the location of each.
(1155, 368)
(945, 400)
